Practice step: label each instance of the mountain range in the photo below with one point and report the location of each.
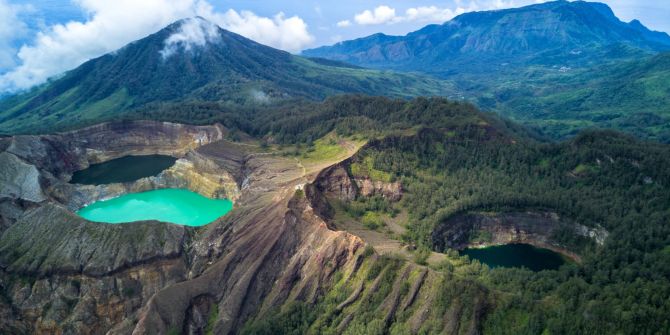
(553, 33)
(559, 66)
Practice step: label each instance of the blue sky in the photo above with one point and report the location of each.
(40, 39)
(322, 16)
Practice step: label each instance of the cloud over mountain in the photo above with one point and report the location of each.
(194, 32)
(112, 24)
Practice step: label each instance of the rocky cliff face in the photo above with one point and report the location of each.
(63, 153)
(377, 294)
(369, 187)
(63, 274)
(19, 180)
(338, 183)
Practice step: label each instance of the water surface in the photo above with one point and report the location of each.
(124, 169)
(168, 205)
(516, 255)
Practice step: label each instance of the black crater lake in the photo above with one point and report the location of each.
(124, 169)
(177, 206)
(516, 255)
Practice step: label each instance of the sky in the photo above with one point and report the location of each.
(42, 39)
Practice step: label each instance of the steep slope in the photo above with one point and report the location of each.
(193, 60)
(560, 32)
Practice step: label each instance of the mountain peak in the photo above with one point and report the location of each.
(188, 34)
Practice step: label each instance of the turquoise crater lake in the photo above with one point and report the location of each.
(167, 205)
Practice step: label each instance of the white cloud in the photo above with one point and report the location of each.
(424, 14)
(113, 24)
(429, 14)
(381, 14)
(288, 34)
(387, 15)
(193, 32)
(344, 23)
(11, 28)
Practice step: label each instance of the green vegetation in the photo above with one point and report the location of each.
(211, 319)
(295, 318)
(421, 255)
(359, 207)
(631, 95)
(451, 159)
(482, 237)
(380, 278)
(598, 179)
(372, 221)
(302, 123)
(366, 169)
(329, 147)
(129, 292)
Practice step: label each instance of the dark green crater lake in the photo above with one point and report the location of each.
(516, 255)
(167, 205)
(124, 169)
